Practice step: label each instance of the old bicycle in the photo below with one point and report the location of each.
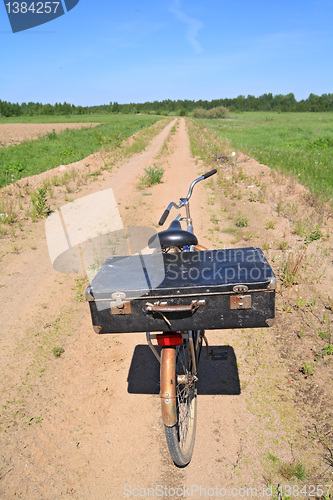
(180, 350)
(180, 290)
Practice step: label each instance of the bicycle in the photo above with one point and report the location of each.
(180, 351)
(187, 288)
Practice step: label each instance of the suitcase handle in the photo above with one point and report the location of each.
(160, 307)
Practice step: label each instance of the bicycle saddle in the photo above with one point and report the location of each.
(175, 236)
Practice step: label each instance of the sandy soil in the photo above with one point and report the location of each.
(87, 425)
(14, 133)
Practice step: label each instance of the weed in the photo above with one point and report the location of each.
(55, 181)
(324, 334)
(287, 308)
(242, 221)
(280, 207)
(291, 267)
(40, 204)
(283, 245)
(261, 196)
(7, 211)
(328, 351)
(299, 228)
(152, 175)
(51, 136)
(94, 174)
(57, 351)
(253, 197)
(79, 288)
(248, 236)
(35, 420)
(315, 234)
(230, 230)
(270, 224)
(307, 369)
(214, 219)
(301, 331)
(300, 303)
(312, 302)
(290, 470)
(273, 458)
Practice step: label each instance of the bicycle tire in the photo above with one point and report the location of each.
(180, 437)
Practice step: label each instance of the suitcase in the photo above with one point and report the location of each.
(211, 289)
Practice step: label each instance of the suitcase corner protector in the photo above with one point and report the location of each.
(272, 284)
(97, 328)
(89, 295)
(270, 321)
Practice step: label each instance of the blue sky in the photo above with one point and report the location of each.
(135, 51)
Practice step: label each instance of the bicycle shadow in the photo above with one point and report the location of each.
(218, 373)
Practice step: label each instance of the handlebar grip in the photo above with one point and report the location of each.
(208, 174)
(164, 217)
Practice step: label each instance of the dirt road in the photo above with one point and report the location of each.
(87, 425)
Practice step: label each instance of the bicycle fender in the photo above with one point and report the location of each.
(168, 386)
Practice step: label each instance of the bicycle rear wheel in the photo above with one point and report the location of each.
(181, 436)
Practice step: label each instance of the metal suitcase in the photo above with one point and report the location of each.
(212, 289)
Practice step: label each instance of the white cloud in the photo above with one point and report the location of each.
(193, 26)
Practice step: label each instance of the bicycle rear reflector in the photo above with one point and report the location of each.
(169, 339)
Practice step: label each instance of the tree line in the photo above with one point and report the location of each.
(265, 102)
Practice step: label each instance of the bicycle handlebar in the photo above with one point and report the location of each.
(184, 201)
(208, 174)
(164, 217)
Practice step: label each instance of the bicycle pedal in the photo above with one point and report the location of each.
(218, 355)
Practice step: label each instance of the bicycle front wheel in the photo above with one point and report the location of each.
(181, 436)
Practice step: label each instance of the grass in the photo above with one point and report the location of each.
(307, 369)
(300, 144)
(57, 351)
(152, 175)
(40, 204)
(242, 221)
(81, 284)
(33, 157)
(288, 470)
(86, 118)
(270, 224)
(291, 267)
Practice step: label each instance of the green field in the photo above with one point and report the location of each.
(34, 157)
(87, 118)
(300, 144)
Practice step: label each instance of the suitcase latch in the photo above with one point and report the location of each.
(240, 289)
(240, 302)
(120, 306)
